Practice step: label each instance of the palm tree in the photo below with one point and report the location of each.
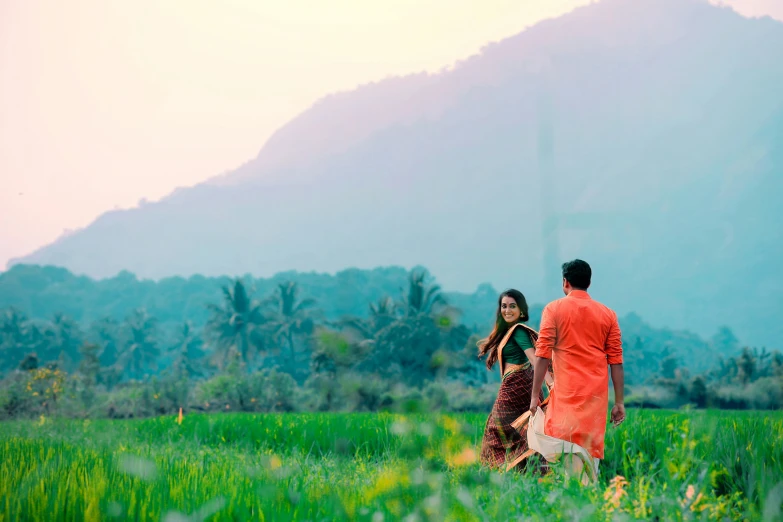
(67, 336)
(292, 317)
(422, 297)
(382, 313)
(425, 299)
(140, 347)
(41, 338)
(409, 343)
(104, 333)
(776, 365)
(747, 363)
(237, 324)
(90, 364)
(188, 352)
(20, 335)
(13, 324)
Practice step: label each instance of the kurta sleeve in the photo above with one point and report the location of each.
(547, 334)
(614, 343)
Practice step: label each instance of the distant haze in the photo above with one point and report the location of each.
(103, 102)
(660, 166)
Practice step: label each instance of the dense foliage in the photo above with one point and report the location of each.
(356, 341)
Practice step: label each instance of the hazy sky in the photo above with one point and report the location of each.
(105, 102)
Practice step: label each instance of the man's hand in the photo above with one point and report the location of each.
(540, 368)
(618, 413)
(533, 404)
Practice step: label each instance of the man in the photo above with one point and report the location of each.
(581, 337)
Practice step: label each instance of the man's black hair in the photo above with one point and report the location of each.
(578, 273)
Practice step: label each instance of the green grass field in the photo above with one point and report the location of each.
(674, 466)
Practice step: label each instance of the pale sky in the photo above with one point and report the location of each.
(105, 102)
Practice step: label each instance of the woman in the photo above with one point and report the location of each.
(512, 345)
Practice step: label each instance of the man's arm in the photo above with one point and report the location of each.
(618, 380)
(539, 370)
(614, 357)
(531, 356)
(546, 342)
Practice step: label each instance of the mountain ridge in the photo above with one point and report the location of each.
(665, 122)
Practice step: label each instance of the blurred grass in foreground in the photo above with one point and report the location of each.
(705, 465)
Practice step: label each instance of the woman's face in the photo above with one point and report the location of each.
(509, 309)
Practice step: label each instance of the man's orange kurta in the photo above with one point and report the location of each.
(582, 337)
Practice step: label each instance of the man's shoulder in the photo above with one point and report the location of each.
(604, 308)
(553, 305)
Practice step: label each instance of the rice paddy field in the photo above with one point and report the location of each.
(698, 465)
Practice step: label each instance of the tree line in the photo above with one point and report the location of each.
(283, 336)
(281, 351)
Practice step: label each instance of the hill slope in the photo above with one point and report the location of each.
(667, 120)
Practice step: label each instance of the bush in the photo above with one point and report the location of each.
(264, 391)
(764, 394)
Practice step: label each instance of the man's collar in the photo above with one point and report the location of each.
(579, 294)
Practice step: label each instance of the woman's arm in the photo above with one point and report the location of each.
(531, 355)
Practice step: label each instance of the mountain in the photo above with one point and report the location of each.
(641, 135)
